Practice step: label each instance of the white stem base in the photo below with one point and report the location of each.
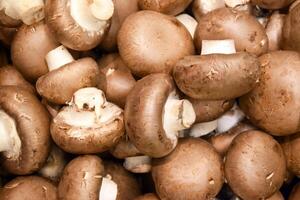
(58, 57)
(202, 129)
(102, 9)
(109, 189)
(234, 3)
(138, 164)
(189, 22)
(218, 47)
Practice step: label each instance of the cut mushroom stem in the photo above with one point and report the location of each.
(218, 46)
(204, 128)
(102, 9)
(58, 57)
(235, 3)
(10, 142)
(189, 22)
(138, 164)
(109, 189)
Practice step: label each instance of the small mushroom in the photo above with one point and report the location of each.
(25, 138)
(255, 165)
(145, 54)
(169, 7)
(154, 115)
(29, 187)
(29, 48)
(194, 170)
(272, 4)
(79, 24)
(202, 7)
(149, 196)
(274, 30)
(295, 194)
(66, 76)
(89, 124)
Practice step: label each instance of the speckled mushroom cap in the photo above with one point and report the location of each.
(32, 122)
(29, 188)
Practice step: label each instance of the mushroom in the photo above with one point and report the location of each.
(149, 196)
(272, 103)
(7, 21)
(145, 54)
(223, 23)
(29, 187)
(122, 9)
(115, 79)
(235, 3)
(295, 194)
(272, 4)
(138, 164)
(66, 75)
(203, 128)
(89, 124)
(276, 196)
(255, 165)
(194, 166)
(169, 7)
(202, 7)
(29, 48)
(9, 75)
(53, 109)
(79, 24)
(24, 124)
(154, 115)
(189, 22)
(274, 30)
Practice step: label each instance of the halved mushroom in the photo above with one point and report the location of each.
(29, 48)
(29, 187)
(79, 24)
(66, 76)
(255, 165)
(146, 42)
(149, 196)
(274, 30)
(89, 124)
(272, 4)
(24, 124)
(169, 7)
(194, 170)
(115, 79)
(9, 75)
(154, 115)
(295, 194)
(202, 7)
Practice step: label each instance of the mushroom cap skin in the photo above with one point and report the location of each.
(144, 115)
(59, 85)
(272, 4)
(29, 48)
(145, 54)
(128, 186)
(193, 171)
(226, 23)
(82, 179)
(29, 188)
(295, 194)
(257, 161)
(207, 111)
(7, 21)
(149, 196)
(271, 105)
(276, 196)
(124, 148)
(122, 10)
(169, 7)
(205, 77)
(9, 75)
(58, 17)
(115, 79)
(32, 122)
(291, 148)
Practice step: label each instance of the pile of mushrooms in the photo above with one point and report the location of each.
(149, 100)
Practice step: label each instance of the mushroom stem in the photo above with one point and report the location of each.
(58, 57)
(102, 9)
(234, 3)
(138, 164)
(109, 189)
(202, 129)
(189, 22)
(218, 46)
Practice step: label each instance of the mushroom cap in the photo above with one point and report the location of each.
(124, 148)
(205, 77)
(145, 54)
(276, 196)
(115, 79)
(32, 122)
(226, 23)
(82, 179)
(271, 105)
(128, 186)
(7, 21)
(9, 75)
(194, 170)
(67, 31)
(272, 4)
(202, 7)
(149, 196)
(169, 7)
(257, 161)
(29, 48)
(29, 188)
(295, 194)
(144, 115)
(59, 85)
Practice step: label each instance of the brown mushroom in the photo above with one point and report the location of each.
(53, 109)
(79, 25)
(29, 48)
(149, 196)
(276, 196)
(124, 148)
(154, 115)
(202, 7)
(29, 188)
(272, 4)
(66, 76)
(7, 21)
(145, 54)
(115, 79)
(25, 138)
(274, 30)
(295, 194)
(272, 103)
(89, 124)
(169, 7)
(192, 171)
(255, 165)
